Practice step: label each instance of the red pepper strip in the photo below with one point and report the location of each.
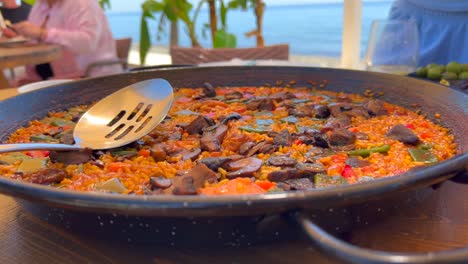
(144, 152)
(38, 153)
(347, 172)
(425, 135)
(265, 185)
(410, 126)
(298, 142)
(115, 166)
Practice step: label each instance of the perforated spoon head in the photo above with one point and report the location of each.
(124, 116)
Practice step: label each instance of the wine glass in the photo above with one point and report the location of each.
(393, 47)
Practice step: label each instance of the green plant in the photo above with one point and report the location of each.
(181, 10)
(105, 4)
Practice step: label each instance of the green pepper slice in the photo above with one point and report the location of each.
(366, 152)
(128, 152)
(290, 120)
(59, 122)
(264, 122)
(259, 130)
(422, 155)
(324, 180)
(43, 138)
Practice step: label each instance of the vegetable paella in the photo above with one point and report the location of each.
(240, 140)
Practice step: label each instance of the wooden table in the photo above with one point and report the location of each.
(441, 222)
(436, 223)
(27, 54)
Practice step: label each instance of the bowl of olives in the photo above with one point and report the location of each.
(453, 74)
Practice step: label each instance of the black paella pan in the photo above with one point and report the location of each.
(404, 91)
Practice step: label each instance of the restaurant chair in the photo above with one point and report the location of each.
(123, 48)
(182, 55)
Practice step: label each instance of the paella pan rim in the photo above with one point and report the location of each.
(136, 203)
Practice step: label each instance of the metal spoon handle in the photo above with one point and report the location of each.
(36, 146)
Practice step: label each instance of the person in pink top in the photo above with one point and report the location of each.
(80, 26)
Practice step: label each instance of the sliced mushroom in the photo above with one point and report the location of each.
(302, 184)
(214, 163)
(209, 90)
(190, 154)
(160, 182)
(262, 147)
(47, 176)
(283, 138)
(158, 152)
(71, 157)
(197, 125)
(282, 161)
(375, 107)
(233, 95)
(244, 167)
(341, 137)
(403, 134)
(230, 117)
(261, 104)
(321, 111)
(212, 140)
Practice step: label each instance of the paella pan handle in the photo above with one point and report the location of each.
(349, 253)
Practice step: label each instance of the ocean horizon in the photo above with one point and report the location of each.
(309, 29)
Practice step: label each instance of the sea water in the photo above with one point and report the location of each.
(312, 29)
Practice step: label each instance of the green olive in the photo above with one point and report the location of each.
(463, 75)
(421, 72)
(449, 76)
(454, 67)
(432, 65)
(434, 73)
(441, 67)
(464, 67)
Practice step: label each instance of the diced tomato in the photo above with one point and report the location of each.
(425, 135)
(335, 169)
(211, 115)
(245, 117)
(266, 185)
(339, 158)
(348, 172)
(236, 186)
(240, 109)
(248, 95)
(298, 142)
(66, 128)
(410, 126)
(424, 124)
(368, 169)
(58, 114)
(216, 154)
(353, 129)
(184, 100)
(38, 153)
(144, 152)
(116, 166)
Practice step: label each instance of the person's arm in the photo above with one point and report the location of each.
(9, 3)
(86, 26)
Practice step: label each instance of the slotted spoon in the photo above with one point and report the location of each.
(116, 120)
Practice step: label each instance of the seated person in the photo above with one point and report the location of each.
(80, 26)
(442, 26)
(13, 12)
